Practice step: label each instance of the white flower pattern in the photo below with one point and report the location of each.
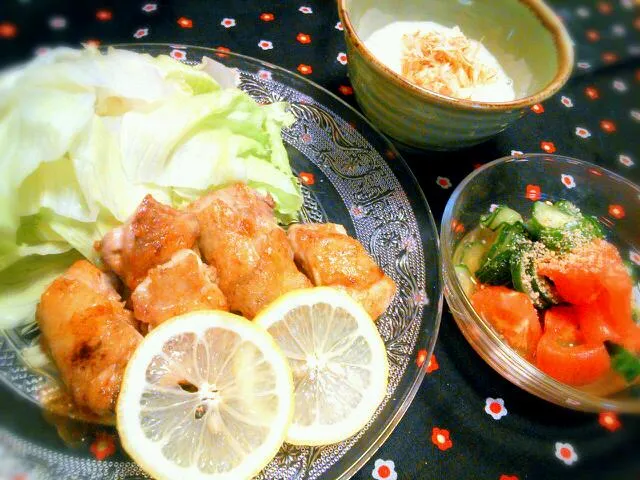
(384, 470)
(567, 180)
(566, 101)
(495, 407)
(566, 453)
(625, 160)
(582, 132)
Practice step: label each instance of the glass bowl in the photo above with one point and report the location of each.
(350, 175)
(517, 181)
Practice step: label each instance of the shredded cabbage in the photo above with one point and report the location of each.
(86, 135)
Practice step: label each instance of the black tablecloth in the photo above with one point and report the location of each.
(466, 421)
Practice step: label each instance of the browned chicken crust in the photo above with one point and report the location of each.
(332, 258)
(240, 236)
(89, 334)
(153, 234)
(183, 284)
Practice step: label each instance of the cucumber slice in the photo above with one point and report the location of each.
(561, 226)
(590, 226)
(525, 277)
(466, 279)
(501, 215)
(567, 207)
(546, 216)
(495, 269)
(575, 234)
(473, 254)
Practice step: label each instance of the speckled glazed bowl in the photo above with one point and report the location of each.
(526, 37)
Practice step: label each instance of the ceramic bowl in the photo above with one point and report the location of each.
(517, 182)
(525, 36)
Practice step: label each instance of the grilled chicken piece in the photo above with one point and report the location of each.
(89, 334)
(181, 285)
(241, 238)
(332, 258)
(153, 234)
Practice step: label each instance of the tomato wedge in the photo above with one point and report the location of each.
(579, 275)
(563, 323)
(574, 365)
(512, 314)
(594, 278)
(595, 323)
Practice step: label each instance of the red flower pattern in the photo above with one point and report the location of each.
(608, 126)
(303, 38)
(617, 211)
(537, 108)
(609, 57)
(104, 15)
(421, 358)
(267, 17)
(433, 364)
(508, 477)
(185, 22)
(221, 51)
(532, 192)
(345, 90)
(8, 30)
(305, 69)
(441, 438)
(592, 93)
(307, 178)
(103, 446)
(593, 35)
(548, 147)
(604, 8)
(609, 420)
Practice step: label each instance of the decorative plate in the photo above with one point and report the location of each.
(351, 175)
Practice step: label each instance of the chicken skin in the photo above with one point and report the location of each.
(153, 234)
(89, 334)
(181, 285)
(332, 258)
(240, 237)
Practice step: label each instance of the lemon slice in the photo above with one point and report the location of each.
(206, 395)
(338, 360)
